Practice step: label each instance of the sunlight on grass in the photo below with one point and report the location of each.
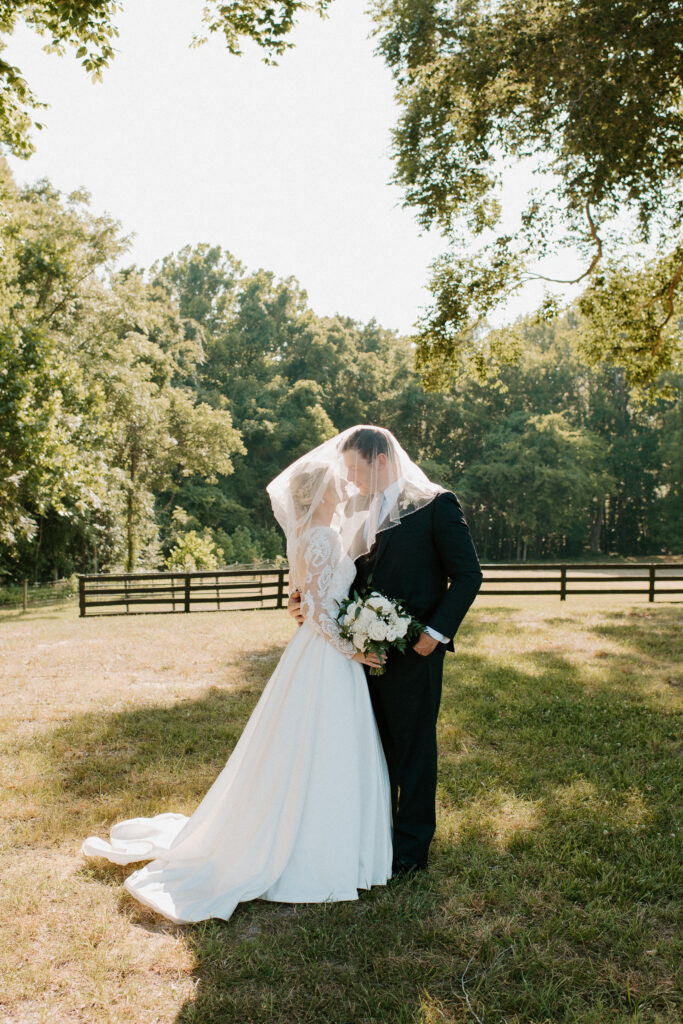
(551, 893)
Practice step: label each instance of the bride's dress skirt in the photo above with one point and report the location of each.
(300, 813)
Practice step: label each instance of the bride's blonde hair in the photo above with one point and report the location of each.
(306, 487)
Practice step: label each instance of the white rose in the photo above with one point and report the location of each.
(364, 619)
(350, 613)
(360, 634)
(392, 634)
(402, 626)
(378, 630)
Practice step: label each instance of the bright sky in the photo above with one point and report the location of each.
(287, 167)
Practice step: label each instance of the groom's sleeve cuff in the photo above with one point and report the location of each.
(437, 636)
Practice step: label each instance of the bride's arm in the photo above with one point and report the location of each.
(319, 558)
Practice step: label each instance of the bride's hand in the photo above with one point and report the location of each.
(372, 660)
(294, 607)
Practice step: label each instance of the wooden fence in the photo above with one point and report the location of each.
(28, 594)
(236, 589)
(560, 579)
(168, 592)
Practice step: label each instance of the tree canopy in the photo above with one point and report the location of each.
(143, 412)
(590, 95)
(89, 28)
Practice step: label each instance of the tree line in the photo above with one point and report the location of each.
(143, 411)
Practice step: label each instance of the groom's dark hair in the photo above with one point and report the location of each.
(368, 441)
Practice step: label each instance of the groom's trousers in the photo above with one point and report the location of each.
(406, 704)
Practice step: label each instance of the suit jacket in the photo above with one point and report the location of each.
(429, 562)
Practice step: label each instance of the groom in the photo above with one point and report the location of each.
(427, 560)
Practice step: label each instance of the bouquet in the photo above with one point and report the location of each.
(375, 623)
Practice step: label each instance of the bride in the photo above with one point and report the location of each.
(301, 812)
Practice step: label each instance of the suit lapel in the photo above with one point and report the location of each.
(383, 539)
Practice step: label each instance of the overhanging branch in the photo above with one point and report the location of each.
(594, 262)
(671, 291)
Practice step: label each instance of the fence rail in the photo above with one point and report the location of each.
(238, 589)
(663, 578)
(28, 594)
(168, 592)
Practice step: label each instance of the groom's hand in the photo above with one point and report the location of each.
(425, 645)
(294, 607)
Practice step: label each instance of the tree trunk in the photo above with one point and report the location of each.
(131, 554)
(596, 528)
(38, 542)
(131, 539)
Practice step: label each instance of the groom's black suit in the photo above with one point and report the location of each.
(429, 562)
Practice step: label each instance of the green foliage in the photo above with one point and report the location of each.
(92, 422)
(88, 27)
(51, 413)
(588, 94)
(633, 316)
(143, 414)
(265, 23)
(194, 547)
(546, 469)
(194, 551)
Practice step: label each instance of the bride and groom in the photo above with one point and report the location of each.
(331, 787)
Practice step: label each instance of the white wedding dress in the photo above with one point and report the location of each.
(301, 812)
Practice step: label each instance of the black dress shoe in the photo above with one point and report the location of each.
(405, 868)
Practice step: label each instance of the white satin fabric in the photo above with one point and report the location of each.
(300, 813)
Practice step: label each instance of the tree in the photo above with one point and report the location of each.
(248, 323)
(159, 432)
(95, 417)
(194, 551)
(51, 412)
(88, 27)
(666, 511)
(540, 470)
(587, 93)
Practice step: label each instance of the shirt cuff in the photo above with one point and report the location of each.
(437, 636)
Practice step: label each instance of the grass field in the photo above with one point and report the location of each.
(555, 880)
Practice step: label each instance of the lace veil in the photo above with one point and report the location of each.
(357, 483)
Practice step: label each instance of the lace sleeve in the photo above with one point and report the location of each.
(319, 560)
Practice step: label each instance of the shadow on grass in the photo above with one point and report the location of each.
(647, 630)
(550, 894)
(100, 767)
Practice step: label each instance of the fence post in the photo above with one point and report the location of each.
(651, 588)
(24, 595)
(280, 589)
(563, 583)
(187, 591)
(81, 595)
